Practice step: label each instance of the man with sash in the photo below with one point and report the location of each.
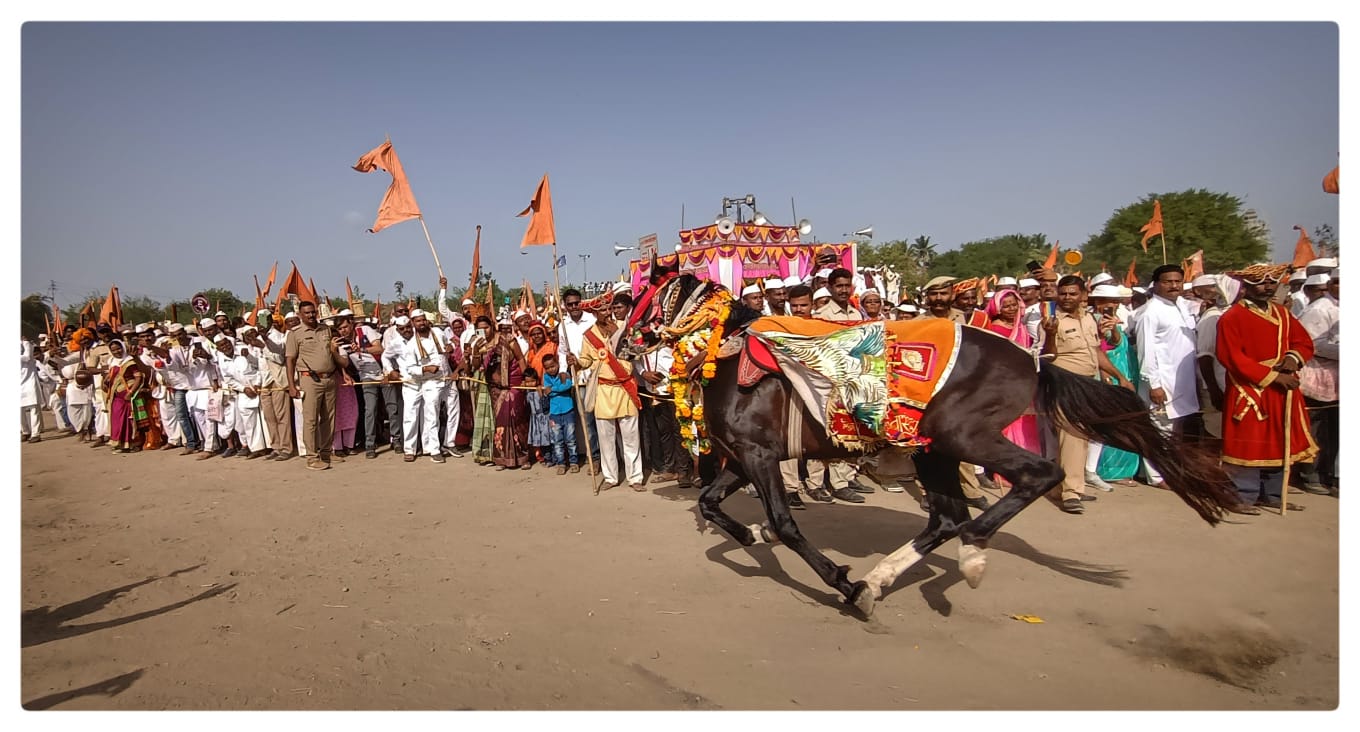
(1262, 348)
(425, 366)
(612, 396)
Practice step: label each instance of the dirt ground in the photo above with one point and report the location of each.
(154, 581)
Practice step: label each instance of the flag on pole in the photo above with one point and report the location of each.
(56, 316)
(1052, 260)
(399, 203)
(1193, 265)
(270, 284)
(112, 310)
(1332, 182)
(1154, 226)
(562, 261)
(1131, 279)
(377, 310)
(349, 294)
(293, 285)
(1303, 249)
(541, 230)
(259, 303)
(476, 265)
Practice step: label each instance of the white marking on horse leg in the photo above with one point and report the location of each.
(972, 563)
(757, 532)
(890, 568)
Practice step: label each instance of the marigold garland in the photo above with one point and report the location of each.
(700, 332)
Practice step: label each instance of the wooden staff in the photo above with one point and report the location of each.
(576, 389)
(1288, 429)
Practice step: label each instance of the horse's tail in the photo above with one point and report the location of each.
(1116, 416)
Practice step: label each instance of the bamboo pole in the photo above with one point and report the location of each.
(1163, 247)
(426, 229)
(576, 388)
(1288, 429)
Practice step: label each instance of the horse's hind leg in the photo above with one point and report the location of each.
(939, 474)
(1031, 476)
(728, 481)
(762, 466)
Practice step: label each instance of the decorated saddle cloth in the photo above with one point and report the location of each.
(868, 383)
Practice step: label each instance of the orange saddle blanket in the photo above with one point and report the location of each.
(868, 381)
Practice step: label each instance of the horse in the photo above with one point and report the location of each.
(992, 382)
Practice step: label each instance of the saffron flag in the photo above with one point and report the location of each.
(1193, 265)
(293, 285)
(112, 311)
(1154, 226)
(476, 265)
(1332, 182)
(1303, 250)
(56, 315)
(541, 230)
(1131, 279)
(270, 284)
(259, 303)
(377, 310)
(1052, 260)
(399, 203)
(349, 295)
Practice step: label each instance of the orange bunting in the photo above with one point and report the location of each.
(1303, 250)
(399, 203)
(1154, 225)
(541, 229)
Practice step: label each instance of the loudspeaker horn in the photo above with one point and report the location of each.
(804, 227)
(867, 232)
(726, 226)
(619, 249)
(760, 219)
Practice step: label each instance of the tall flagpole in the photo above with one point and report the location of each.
(426, 229)
(576, 387)
(1163, 248)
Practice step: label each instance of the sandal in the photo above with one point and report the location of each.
(408, 458)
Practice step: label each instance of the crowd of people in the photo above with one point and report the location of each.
(1236, 361)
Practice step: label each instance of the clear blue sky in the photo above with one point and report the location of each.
(169, 158)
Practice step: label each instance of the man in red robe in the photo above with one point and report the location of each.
(1262, 347)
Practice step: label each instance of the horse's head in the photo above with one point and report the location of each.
(668, 298)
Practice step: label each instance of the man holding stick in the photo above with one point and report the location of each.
(1265, 423)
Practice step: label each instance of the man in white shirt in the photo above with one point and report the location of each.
(364, 354)
(270, 345)
(426, 368)
(1166, 353)
(776, 297)
(393, 392)
(661, 447)
(155, 358)
(1297, 299)
(200, 371)
(1212, 376)
(1320, 380)
(572, 332)
(241, 397)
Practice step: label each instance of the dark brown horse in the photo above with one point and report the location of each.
(991, 384)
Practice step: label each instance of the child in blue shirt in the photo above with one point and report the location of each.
(557, 388)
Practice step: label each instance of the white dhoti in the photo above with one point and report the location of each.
(420, 417)
(169, 422)
(197, 399)
(80, 415)
(30, 420)
(297, 426)
(627, 429)
(247, 422)
(229, 409)
(54, 403)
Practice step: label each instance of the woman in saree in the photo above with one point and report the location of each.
(125, 382)
(871, 304)
(1115, 465)
(505, 365)
(483, 425)
(539, 346)
(346, 399)
(1003, 312)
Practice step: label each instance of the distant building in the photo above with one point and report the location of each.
(1256, 225)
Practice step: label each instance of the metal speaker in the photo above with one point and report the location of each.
(619, 249)
(804, 227)
(726, 226)
(867, 232)
(760, 219)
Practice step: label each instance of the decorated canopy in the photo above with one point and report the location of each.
(749, 252)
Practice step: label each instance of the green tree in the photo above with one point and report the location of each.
(1193, 220)
(899, 255)
(999, 255)
(923, 251)
(141, 309)
(34, 312)
(1325, 240)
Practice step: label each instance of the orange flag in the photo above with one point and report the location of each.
(270, 284)
(349, 294)
(1052, 260)
(1332, 182)
(399, 203)
(377, 310)
(259, 303)
(1303, 250)
(540, 229)
(56, 315)
(1193, 265)
(315, 293)
(112, 311)
(1131, 278)
(293, 285)
(1154, 226)
(87, 313)
(476, 265)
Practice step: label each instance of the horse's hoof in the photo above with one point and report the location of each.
(863, 599)
(972, 563)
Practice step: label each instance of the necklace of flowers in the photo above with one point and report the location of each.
(705, 338)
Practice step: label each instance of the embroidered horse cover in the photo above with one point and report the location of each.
(868, 382)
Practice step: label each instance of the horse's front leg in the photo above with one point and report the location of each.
(762, 466)
(728, 481)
